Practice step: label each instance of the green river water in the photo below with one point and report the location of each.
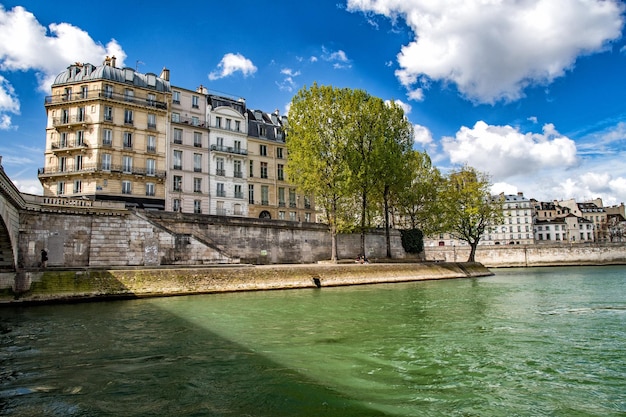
(525, 342)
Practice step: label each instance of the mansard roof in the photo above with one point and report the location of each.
(80, 72)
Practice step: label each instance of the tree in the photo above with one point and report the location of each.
(417, 205)
(318, 133)
(468, 207)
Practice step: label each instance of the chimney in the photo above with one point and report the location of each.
(165, 74)
(107, 61)
(113, 61)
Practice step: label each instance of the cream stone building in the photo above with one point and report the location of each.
(270, 195)
(106, 135)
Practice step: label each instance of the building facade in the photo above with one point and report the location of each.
(106, 135)
(517, 228)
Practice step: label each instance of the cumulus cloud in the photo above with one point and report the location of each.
(232, 63)
(26, 45)
(287, 83)
(493, 50)
(422, 135)
(504, 151)
(339, 59)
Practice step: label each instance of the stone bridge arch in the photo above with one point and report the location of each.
(11, 201)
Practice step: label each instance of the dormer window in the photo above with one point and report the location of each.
(129, 74)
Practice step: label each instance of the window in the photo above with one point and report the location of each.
(151, 99)
(262, 131)
(150, 167)
(175, 117)
(238, 146)
(292, 216)
(108, 91)
(128, 117)
(78, 163)
(237, 211)
(263, 169)
(78, 186)
(176, 205)
(238, 191)
(151, 145)
(127, 164)
(60, 188)
(197, 162)
(197, 139)
(228, 124)
(178, 136)
(237, 169)
(84, 91)
(151, 121)
(281, 197)
(251, 171)
(108, 113)
(220, 143)
(265, 195)
(62, 164)
(106, 161)
(237, 125)
(128, 140)
(281, 215)
(65, 116)
(292, 198)
(250, 194)
(63, 141)
(281, 173)
(197, 206)
(194, 102)
(126, 189)
(279, 153)
(176, 97)
(68, 93)
(219, 167)
(218, 122)
(178, 183)
(81, 114)
(307, 217)
(221, 211)
(220, 190)
(107, 137)
(262, 150)
(178, 159)
(307, 202)
(197, 185)
(150, 189)
(80, 138)
(129, 94)
(195, 121)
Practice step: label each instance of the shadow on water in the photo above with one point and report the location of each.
(132, 358)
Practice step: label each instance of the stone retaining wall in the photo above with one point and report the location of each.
(67, 286)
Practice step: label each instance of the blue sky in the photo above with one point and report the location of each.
(530, 92)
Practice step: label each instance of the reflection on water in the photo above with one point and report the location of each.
(544, 341)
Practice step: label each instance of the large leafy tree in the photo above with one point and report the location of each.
(319, 130)
(417, 205)
(469, 207)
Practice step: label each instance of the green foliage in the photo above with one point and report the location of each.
(412, 240)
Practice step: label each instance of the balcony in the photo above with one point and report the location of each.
(99, 168)
(67, 145)
(239, 195)
(104, 95)
(220, 172)
(69, 121)
(229, 149)
(189, 121)
(238, 174)
(220, 193)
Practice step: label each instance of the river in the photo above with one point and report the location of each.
(524, 342)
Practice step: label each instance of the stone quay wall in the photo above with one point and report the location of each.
(143, 238)
(494, 256)
(105, 284)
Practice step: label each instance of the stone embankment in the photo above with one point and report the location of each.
(99, 284)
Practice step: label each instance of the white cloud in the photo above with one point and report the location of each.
(404, 106)
(288, 83)
(422, 135)
(417, 94)
(26, 45)
(492, 50)
(533, 119)
(504, 151)
(503, 187)
(338, 58)
(232, 63)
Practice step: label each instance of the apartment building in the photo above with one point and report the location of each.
(270, 196)
(517, 226)
(188, 152)
(592, 211)
(229, 149)
(106, 135)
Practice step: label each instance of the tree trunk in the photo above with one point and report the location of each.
(363, 213)
(472, 252)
